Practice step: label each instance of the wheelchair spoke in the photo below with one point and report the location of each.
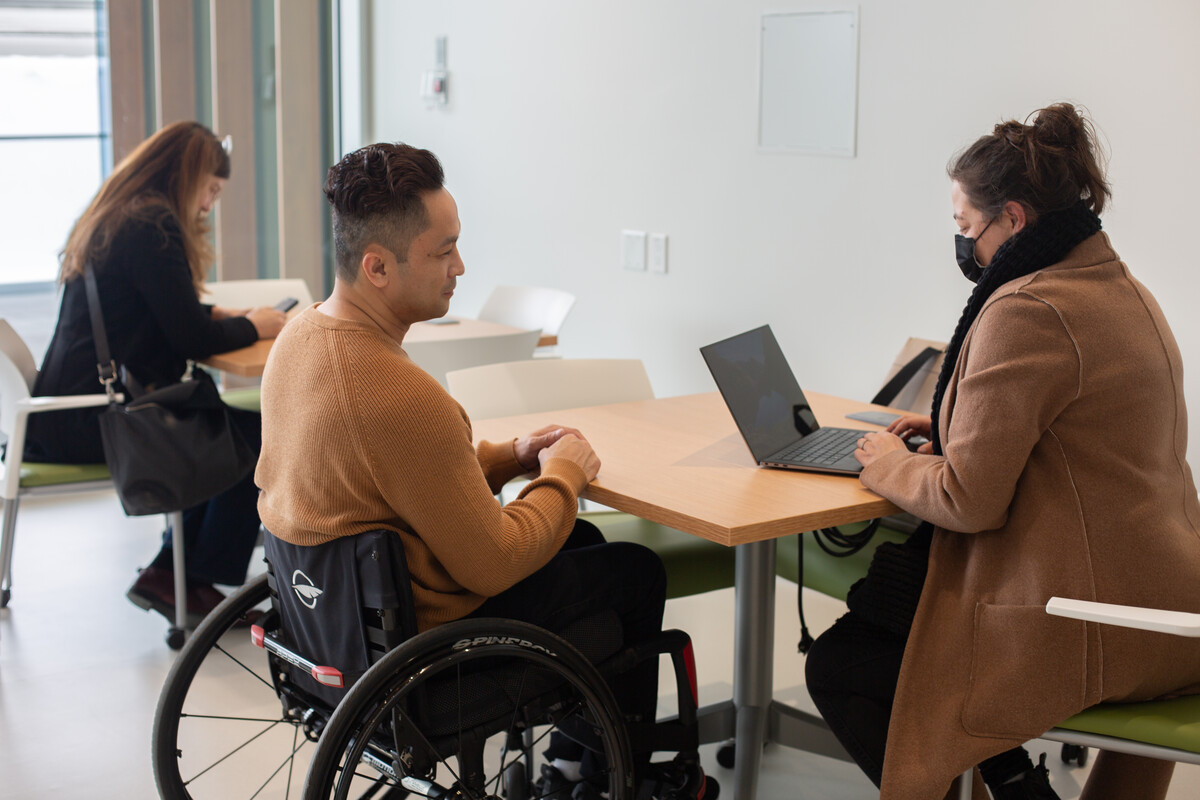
(428, 745)
(289, 760)
(292, 763)
(224, 718)
(512, 723)
(242, 664)
(235, 750)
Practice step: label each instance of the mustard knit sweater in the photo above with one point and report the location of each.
(356, 437)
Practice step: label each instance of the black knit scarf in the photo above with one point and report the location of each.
(887, 597)
(1036, 247)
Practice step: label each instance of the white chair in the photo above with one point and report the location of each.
(440, 356)
(529, 307)
(252, 293)
(17, 374)
(242, 392)
(1168, 730)
(694, 565)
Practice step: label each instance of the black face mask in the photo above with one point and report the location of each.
(964, 251)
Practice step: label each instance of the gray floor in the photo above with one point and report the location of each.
(81, 668)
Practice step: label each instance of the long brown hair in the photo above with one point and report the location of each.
(161, 177)
(1047, 165)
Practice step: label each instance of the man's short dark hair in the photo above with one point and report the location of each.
(376, 197)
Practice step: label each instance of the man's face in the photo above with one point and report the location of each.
(425, 280)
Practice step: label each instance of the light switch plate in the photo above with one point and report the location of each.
(658, 253)
(633, 250)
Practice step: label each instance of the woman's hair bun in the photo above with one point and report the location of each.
(1048, 162)
(1060, 125)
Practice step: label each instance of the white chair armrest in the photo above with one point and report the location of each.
(1180, 623)
(35, 405)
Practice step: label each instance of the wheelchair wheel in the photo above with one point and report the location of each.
(434, 716)
(221, 730)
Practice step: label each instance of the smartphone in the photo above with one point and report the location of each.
(286, 304)
(442, 321)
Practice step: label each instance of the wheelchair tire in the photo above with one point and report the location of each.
(408, 709)
(220, 729)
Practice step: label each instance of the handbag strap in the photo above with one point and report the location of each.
(888, 393)
(104, 362)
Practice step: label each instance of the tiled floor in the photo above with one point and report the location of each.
(81, 668)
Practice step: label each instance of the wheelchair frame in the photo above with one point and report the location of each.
(372, 742)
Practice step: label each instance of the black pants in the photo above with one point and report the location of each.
(851, 671)
(219, 534)
(587, 576)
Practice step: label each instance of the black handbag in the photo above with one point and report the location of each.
(167, 449)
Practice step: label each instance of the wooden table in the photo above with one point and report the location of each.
(680, 462)
(249, 362)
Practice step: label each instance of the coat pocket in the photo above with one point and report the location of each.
(1028, 671)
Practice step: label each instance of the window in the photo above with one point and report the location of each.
(52, 139)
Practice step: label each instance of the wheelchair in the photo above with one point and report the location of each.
(312, 682)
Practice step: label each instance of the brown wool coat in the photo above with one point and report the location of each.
(1065, 436)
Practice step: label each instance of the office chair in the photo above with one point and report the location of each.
(17, 375)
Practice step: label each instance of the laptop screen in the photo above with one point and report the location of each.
(760, 390)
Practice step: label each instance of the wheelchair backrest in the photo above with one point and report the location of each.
(342, 604)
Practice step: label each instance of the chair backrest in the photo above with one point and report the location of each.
(17, 373)
(321, 590)
(916, 394)
(437, 357)
(251, 293)
(528, 307)
(18, 352)
(526, 387)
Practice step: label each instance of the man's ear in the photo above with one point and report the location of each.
(1018, 215)
(374, 265)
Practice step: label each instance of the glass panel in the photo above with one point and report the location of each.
(50, 152)
(56, 94)
(57, 179)
(202, 22)
(265, 166)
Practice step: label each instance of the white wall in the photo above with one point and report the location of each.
(569, 121)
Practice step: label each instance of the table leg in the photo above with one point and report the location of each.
(753, 660)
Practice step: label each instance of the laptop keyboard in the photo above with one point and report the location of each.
(824, 446)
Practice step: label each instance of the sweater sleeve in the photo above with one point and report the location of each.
(1017, 372)
(158, 270)
(418, 444)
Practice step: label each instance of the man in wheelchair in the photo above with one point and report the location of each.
(357, 438)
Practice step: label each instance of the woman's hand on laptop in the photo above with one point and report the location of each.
(912, 425)
(874, 444)
(914, 430)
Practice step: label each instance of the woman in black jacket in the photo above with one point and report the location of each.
(145, 237)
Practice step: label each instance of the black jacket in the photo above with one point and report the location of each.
(154, 323)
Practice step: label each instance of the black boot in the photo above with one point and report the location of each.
(1030, 784)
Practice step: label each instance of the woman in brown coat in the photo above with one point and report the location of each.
(1056, 466)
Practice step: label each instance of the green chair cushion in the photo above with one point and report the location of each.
(57, 474)
(696, 565)
(693, 565)
(828, 574)
(1167, 723)
(248, 399)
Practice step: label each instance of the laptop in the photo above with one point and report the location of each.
(770, 409)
